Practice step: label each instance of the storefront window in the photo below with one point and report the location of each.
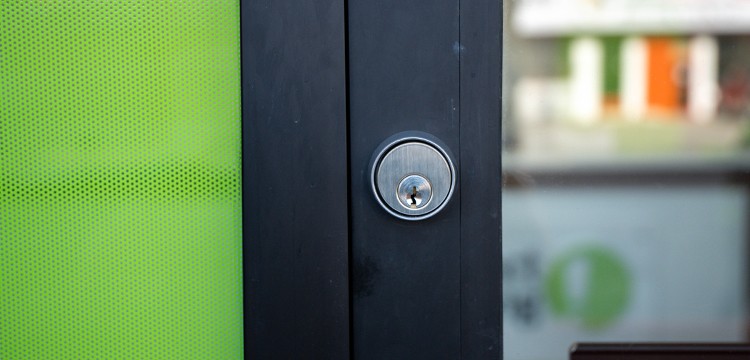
(626, 135)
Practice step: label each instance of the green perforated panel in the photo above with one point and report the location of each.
(120, 204)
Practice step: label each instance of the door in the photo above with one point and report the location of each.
(192, 179)
(329, 272)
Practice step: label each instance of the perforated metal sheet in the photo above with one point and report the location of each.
(120, 204)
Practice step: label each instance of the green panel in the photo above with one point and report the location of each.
(612, 45)
(120, 203)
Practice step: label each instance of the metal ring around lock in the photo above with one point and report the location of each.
(412, 161)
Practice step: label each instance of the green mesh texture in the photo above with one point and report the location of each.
(120, 203)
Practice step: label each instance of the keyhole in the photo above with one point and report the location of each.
(414, 192)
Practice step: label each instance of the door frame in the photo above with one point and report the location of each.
(296, 179)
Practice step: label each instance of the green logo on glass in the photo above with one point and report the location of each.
(591, 284)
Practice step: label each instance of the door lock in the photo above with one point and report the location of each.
(414, 192)
(412, 175)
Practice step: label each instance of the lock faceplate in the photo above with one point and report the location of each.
(412, 177)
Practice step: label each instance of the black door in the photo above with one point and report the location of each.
(328, 272)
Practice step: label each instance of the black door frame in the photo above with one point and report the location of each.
(297, 179)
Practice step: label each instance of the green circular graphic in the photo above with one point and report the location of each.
(606, 288)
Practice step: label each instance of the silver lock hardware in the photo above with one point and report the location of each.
(414, 192)
(412, 175)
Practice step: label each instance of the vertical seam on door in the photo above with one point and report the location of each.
(350, 265)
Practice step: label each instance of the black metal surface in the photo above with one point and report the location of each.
(646, 351)
(481, 285)
(403, 75)
(295, 180)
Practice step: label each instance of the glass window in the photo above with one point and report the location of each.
(625, 162)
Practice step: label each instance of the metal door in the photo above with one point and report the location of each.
(329, 273)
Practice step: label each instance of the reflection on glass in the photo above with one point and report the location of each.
(626, 136)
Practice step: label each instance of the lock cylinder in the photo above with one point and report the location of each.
(414, 192)
(412, 176)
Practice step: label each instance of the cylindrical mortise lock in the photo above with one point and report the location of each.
(412, 175)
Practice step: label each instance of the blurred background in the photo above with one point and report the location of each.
(626, 158)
